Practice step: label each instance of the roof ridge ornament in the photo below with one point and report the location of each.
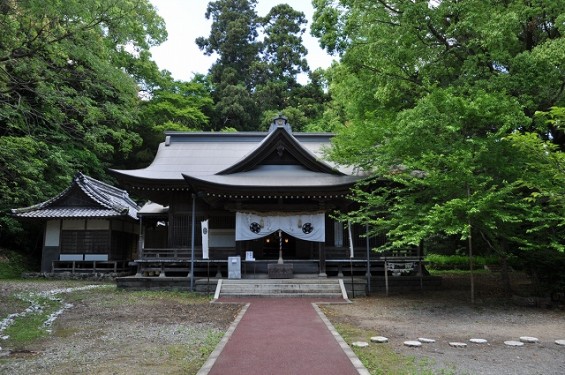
(280, 121)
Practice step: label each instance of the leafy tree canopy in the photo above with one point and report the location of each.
(70, 74)
(440, 100)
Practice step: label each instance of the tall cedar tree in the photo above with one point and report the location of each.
(233, 37)
(253, 81)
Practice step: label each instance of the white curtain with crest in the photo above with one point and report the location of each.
(305, 226)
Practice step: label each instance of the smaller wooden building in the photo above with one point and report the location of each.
(89, 227)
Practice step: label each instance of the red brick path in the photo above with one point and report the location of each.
(282, 336)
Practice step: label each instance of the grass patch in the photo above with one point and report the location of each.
(381, 359)
(114, 297)
(173, 296)
(30, 327)
(188, 359)
(210, 343)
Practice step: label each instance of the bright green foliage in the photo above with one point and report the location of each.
(178, 106)
(457, 262)
(70, 74)
(439, 99)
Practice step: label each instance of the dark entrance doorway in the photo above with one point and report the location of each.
(272, 242)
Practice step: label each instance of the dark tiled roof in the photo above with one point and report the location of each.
(103, 200)
(206, 156)
(68, 212)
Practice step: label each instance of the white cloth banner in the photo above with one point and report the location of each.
(351, 255)
(308, 227)
(205, 247)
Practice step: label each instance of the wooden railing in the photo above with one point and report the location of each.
(89, 266)
(184, 253)
(361, 253)
(167, 253)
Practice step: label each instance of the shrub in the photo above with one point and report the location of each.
(456, 262)
(12, 264)
(546, 268)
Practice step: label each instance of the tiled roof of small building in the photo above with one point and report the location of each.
(86, 197)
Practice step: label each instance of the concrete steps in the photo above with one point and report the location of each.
(292, 288)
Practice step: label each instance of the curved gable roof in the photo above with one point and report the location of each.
(280, 147)
(85, 197)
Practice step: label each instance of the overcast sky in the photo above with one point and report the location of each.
(186, 21)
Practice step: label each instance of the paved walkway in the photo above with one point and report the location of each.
(283, 336)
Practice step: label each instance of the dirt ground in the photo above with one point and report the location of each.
(114, 332)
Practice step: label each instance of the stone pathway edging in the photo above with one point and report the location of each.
(361, 369)
(205, 369)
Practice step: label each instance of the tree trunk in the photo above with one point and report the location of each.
(505, 275)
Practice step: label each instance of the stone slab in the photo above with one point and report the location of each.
(426, 341)
(456, 344)
(513, 343)
(560, 342)
(478, 341)
(360, 344)
(529, 339)
(413, 344)
(379, 339)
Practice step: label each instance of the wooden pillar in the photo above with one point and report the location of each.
(141, 239)
(322, 259)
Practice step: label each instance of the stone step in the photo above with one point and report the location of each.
(279, 292)
(280, 288)
(281, 281)
(284, 295)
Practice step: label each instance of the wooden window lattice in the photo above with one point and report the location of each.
(85, 241)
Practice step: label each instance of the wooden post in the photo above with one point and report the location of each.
(368, 260)
(420, 273)
(192, 243)
(386, 277)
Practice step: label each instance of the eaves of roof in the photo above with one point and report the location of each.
(69, 212)
(112, 202)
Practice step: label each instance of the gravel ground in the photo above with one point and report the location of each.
(115, 332)
(448, 316)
